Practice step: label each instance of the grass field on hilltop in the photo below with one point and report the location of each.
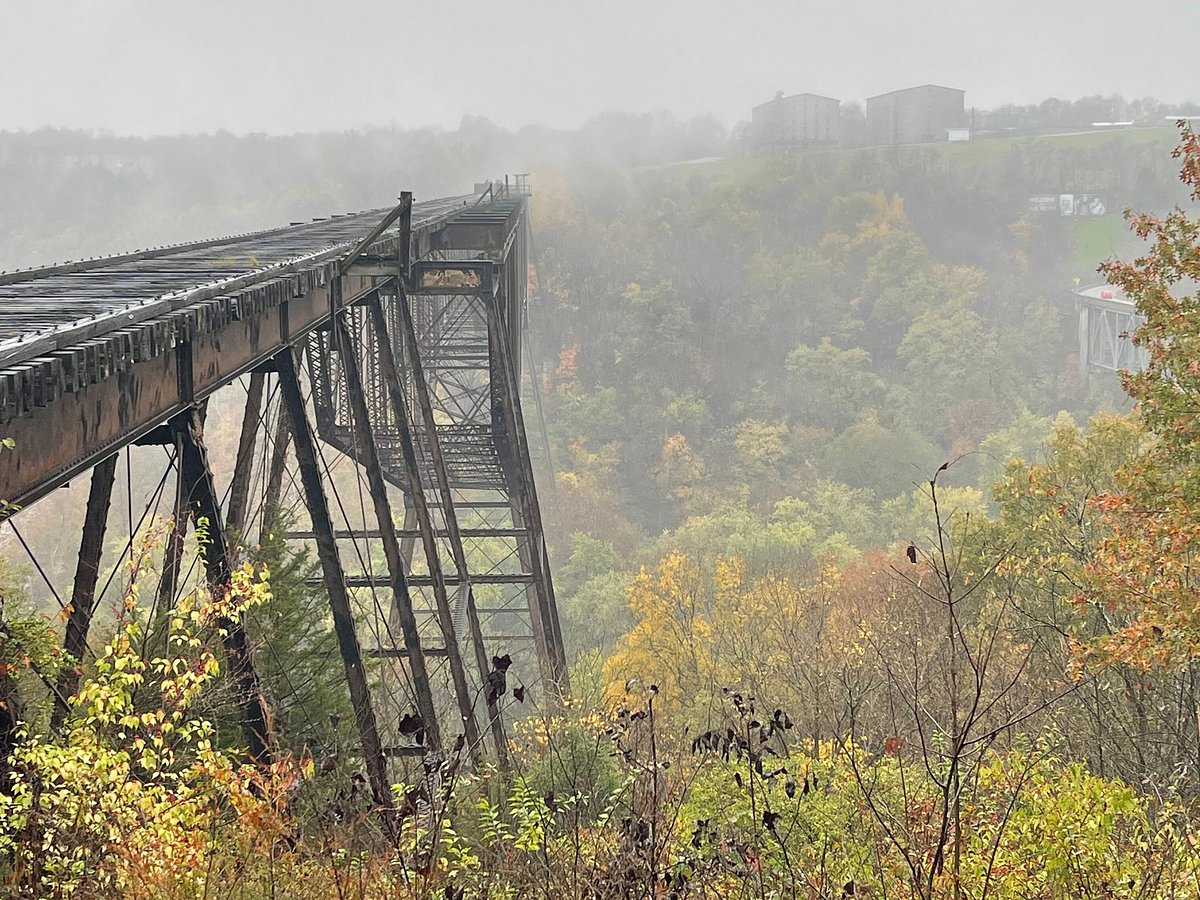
(984, 151)
(989, 149)
(1098, 239)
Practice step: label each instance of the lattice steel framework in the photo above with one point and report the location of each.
(1106, 325)
(401, 331)
(454, 319)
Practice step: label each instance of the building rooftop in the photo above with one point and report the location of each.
(793, 96)
(916, 87)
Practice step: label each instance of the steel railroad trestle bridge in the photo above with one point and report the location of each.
(1107, 319)
(391, 337)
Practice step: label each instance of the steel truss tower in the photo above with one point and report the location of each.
(396, 340)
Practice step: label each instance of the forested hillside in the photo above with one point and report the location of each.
(771, 357)
(869, 589)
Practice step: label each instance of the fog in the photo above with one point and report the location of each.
(823, 364)
(142, 67)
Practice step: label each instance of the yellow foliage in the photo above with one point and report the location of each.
(887, 214)
(679, 465)
(128, 795)
(568, 365)
(697, 631)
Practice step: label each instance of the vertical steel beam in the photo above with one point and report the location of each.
(445, 616)
(408, 543)
(275, 470)
(239, 488)
(335, 582)
(539, 413)
(1085, 339)
(87, 573)
(408, 339)
(168, 583)
(202, 499)
(402, 606)
(506, 412)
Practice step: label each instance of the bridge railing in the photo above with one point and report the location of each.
(1107, 322)
(511, 186)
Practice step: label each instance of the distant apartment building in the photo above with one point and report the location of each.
(792, 123)
(916, 115)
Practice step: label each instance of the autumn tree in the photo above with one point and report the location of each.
(828, 386)
(1144, 572)
(1124, 719)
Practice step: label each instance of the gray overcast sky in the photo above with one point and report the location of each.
(165, 66)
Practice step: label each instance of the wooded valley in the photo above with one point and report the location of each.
(870, 588)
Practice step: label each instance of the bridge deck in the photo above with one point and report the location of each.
(41, 307)
(419, 386)
(95, 354)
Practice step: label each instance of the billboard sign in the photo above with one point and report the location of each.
(1081, 205)
(1074, 205)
